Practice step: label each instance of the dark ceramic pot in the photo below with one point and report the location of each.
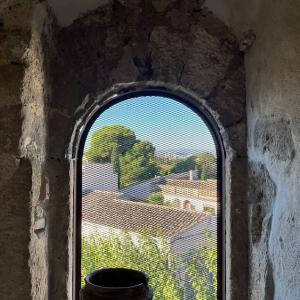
(116, 284)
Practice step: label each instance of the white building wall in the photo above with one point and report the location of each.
(198, 204)
(194, 237)
(179, 201)
(99, 177)
(144, 189)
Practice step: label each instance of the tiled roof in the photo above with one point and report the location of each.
(210, 184)
(204, 190)
(104, 208)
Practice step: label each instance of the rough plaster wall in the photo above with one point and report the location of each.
(33, 146)
(23, 254)
(273, 85)
(69, 10)
(170, 43)
(15, 169)
(273, 106)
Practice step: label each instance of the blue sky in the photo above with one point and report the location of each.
(166, 123)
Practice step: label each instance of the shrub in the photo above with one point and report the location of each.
(156, 198)
(152, 256)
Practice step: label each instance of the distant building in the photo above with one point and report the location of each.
(167, 156)
(183, 190)
(98, 176)
(143, 189)
(200, 195)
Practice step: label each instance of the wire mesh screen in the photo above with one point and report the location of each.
(150, 199)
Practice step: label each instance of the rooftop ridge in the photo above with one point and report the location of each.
(135, 216)
(141, 203)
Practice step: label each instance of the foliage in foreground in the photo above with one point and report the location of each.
(144, 254)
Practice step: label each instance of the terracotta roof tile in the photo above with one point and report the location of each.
(209, 184)
(104, 208)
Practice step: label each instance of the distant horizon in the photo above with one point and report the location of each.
(168, 124)
(187, 151)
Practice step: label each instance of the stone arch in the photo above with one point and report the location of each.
(123, 92)
(112, 50)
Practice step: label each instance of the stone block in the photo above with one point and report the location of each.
(273, 136)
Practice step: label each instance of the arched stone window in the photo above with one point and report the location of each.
(72, 72)
(132, 180)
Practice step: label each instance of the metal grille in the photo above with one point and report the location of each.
(150, 198)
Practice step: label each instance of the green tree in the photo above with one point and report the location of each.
(115, 160)
(206, 163)
(203, 173)
(107, 139)
(184, 165)
(132, 159)
(156, 198)
(163, 172)
(137, 164)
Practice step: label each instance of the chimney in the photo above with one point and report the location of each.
(193, 175)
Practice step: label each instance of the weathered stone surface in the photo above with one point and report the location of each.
(15, 172)
(237, 242)
(178, 21)
(69, 10)
(262, 197)
(230, 90)
(273, 136)
(15, 278)
(204, 65)
(13, 48)
(10, 90)
(8, 166)
(235, 133)
(272, 72)
(10, 130)
(17, 15)
(161, 5)
(131, 3)
(168, 54)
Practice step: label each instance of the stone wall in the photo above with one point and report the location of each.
(21, 79)
(58, 59)
(54, 73)
(273, 92)
(142, 190)
(273, 87)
